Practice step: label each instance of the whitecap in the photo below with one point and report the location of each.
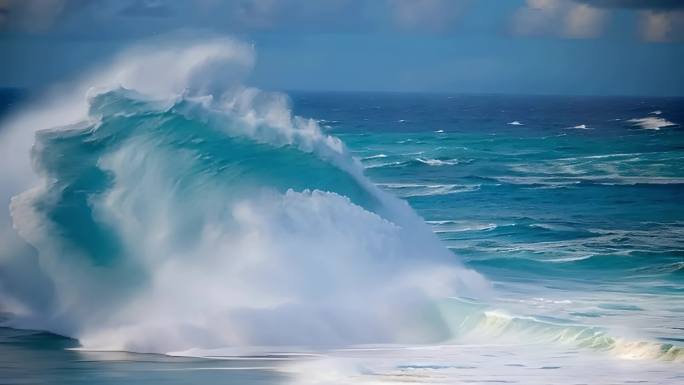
(581, 127)
(437, 162)
(407, 190)
(515, 123)
(452, 226)
(386, 164)
(378, 156)
(652, 123)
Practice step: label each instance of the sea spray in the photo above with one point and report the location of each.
(175, 209)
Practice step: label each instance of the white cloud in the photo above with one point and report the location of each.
(659, 20)
(583, 21)
(535, 17)
(543, 4)
(426, 14)
(558, 17)
(635, 4)
(662, 26)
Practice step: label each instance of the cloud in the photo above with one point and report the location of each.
(635, 4)
(658, 26)
(558, 18)
(4, 14)
(433, 15)
(119, 17)
(147, 8)
(659, 20)
(285, 14)
(30, 15)
(110, 16)
(583, 21)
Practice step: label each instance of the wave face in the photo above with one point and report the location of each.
(168, 212)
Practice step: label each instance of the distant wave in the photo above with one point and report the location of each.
(510, 328)
(451, 226)
(515, 123)
(609, 180)
(640, 264)
(385, 164)
(438, 162)
(378, 156)
(407, 190)
(652, 123)
(371, 162)
(581, 127)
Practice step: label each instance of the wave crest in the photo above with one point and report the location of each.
(203, 214)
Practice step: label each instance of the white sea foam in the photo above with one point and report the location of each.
(581, 127)
(515, 123)
(652, 123)
(396, 163)
(371, 162)
(438, 162)
(407, 190)
(528, 363)
(608, 180)
(269, 268)
(526, 348)
(378, 156)
(460, 226)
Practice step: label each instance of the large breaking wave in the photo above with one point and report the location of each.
(161, 205)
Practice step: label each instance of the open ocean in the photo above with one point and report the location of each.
(181, 245)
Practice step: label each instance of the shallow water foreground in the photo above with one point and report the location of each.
(28, 357)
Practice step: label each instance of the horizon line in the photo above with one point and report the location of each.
(418, 92)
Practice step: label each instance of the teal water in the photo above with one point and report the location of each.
(541, 200)
(243, 252)
(41, 358)
(581, 224)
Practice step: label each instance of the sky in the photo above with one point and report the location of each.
(567, 47)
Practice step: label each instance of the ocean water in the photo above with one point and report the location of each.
(174, 234)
